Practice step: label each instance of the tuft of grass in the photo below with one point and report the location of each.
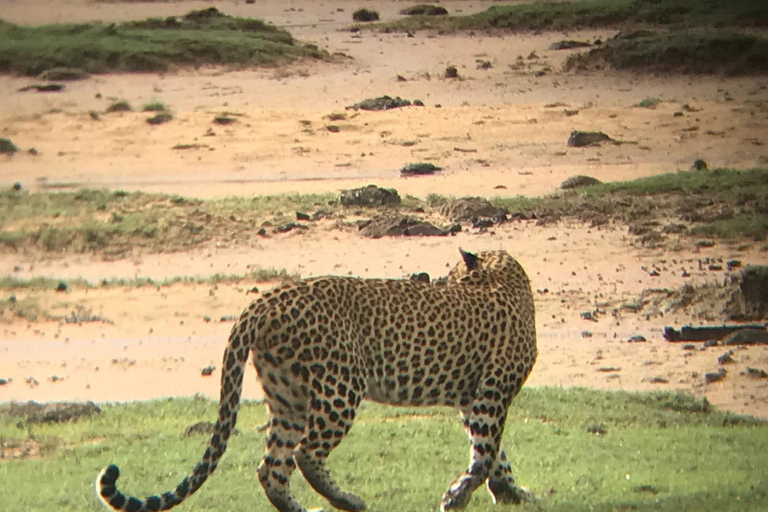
(648, 103)
(154, 106)
(119, 106)
(365, 15)
(692, 458)
(726, 52)
(205, 37)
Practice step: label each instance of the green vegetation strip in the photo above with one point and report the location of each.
(722, 203)
(156, 44)
(578, 450)
(596, 14)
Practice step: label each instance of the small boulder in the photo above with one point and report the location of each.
(470, 209)
(381, 103)
(579, 181)
(419, 169)
(399, 225)
(370, 196)
(579, 139)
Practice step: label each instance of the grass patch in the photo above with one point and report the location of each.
(727, 52)
(648, 103)
(206, 37)
(154, 106)
(689, 457)
(556, 16)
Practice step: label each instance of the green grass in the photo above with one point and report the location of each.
(154, 106)
(690, 457)
(729, 52)
(205, 37)
(47, 283)
(648, 103)
(113, 223)
(557, 16)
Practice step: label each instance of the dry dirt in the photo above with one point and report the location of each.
(499, 126)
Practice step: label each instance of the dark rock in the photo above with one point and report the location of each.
(719, 375)
(370, 196)
(749, 300)
(399, 225)
(579, 181)
(365, 15)
(756, 373)
(637, 338)
(704, 333)
(747, 337)
(451, 72)
(64, 74)
(418, 103)
(699, 165)
(57, 412)
(224, 120)
(419, 169)
(119, 106)
(422, 277)
(285, 228)
(580, 139)
(160, 118)
(61, 287)
(381, 103)
(302, 216)
(207, 371)
(16, 186)
(424, 10)
(43, 88)
(568, 44)
(469, 209)
(725, 358)
(7, 146)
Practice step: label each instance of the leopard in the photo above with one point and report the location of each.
(322, 345)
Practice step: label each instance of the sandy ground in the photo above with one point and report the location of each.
(499, 126)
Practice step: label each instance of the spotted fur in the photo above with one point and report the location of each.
(322, 345)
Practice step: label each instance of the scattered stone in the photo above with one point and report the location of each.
(711, 377)
(64, 74)
(756, 373)
(419, 169)
(422, 277)
(43, 88)
(569, 44)
(704, 333)
(365, 15)
(56, 412)
(725, 358)
(637, 338)
(119, 106)
(424, 10)
(16, 187)
(599, 430)
(471, 209)
(369, 196)
(579, 181)
(3, 382)
(451, 72)
(224, 120)
(160, 118)
(658, 380)
(733, 264)
(609, 369)
(7, 146)
(381, 103)
(207, 371)
(333, 128)
(483, 64)
(589, 315)
(689, 346)
(749, 301)
(579, 139)
(32, 382)
(747, 337)
(302, 216)
(399, 225)
(94, 115)
(699, 165)
(61, 287)
(228, 318)
(285, 228)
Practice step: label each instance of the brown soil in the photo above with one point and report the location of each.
(497, 126)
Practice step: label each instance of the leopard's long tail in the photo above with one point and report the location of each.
(235, 359)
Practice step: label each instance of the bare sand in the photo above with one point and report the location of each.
(493, 127)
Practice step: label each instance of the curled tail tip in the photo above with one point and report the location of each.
(108, 475)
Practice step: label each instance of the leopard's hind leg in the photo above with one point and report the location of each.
(287, 402)
(333, 408)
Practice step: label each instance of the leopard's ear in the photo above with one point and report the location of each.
(470, 260)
